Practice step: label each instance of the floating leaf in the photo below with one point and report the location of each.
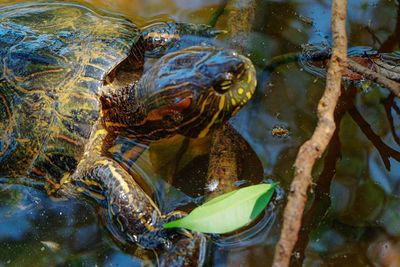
(228, 212)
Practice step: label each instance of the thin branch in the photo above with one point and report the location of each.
(322, 201)
(217, 13)
(311, 150)
(282, 59)
(396, 108)
(375, 77)
(389, 103)
(375, 38)
(385, 151)
(319, 54)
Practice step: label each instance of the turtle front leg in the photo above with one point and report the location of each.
(128, 212)
(165, 37)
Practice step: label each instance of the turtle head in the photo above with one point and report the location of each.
(189, 91)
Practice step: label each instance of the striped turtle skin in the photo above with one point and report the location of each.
(72, 86)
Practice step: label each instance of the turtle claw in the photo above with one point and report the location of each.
(185, 232)
(174, 215)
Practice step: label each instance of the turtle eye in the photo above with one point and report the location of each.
(223, 83)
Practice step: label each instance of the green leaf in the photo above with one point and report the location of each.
(228, 212)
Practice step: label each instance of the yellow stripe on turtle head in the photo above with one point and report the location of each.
(249, 77)
(221, 105)
(226, 83)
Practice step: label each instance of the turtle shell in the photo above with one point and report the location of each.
(54, 60)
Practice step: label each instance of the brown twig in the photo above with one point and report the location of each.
(385, 151)
(311, 150)
(218, 13)
(321, 203)
(388, 104)
(313, 217)
(375, 77)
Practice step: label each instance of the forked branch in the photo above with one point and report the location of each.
(313, 149)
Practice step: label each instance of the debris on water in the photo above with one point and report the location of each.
(242, 183)
(306, 20)
(212, 185)
(53, 246)
(280, 131)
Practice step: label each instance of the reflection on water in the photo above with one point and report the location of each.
(358, 225)
(37, 231)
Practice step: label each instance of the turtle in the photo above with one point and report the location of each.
(73, 85)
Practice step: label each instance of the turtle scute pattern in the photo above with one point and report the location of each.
(54, 60)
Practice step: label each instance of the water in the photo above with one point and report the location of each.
(354, 221)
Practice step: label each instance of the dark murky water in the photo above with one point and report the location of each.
(355, 219)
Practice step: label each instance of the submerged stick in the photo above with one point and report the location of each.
(223, 166)
(313, 149)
